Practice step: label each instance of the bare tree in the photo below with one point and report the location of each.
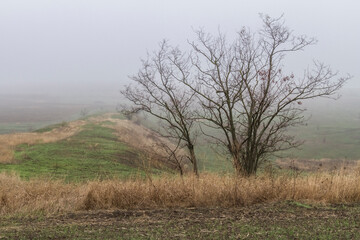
(174, 155)
(246, 95)
(159, 93)
(84, 112)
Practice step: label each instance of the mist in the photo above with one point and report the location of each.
(83, 51)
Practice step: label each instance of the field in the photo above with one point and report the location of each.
(100, 147)
(93, 179)
(332, 131)
(321, 206)
(286, 220)
(24, 113)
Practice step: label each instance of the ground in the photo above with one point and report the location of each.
(98, 142)
(286, 220)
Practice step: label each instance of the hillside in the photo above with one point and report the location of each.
(103, 160)
(104, 146)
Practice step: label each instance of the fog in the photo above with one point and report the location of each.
(86, 49)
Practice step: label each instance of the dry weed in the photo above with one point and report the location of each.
(139, 136)
(210, 190)
(18, 196)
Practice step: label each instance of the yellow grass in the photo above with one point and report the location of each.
(210, 190)
(140, 137)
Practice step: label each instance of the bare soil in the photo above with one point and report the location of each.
(286, 220)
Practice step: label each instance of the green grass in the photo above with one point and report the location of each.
(108, 123)
(93, 153)
(118, 116)
(211, 159)
(327, 135)
(336, 141)
(332, 135)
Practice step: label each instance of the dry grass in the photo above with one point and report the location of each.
(9, 141)
(155, 148)
(18, 196)
(140, 137)
(210, 190)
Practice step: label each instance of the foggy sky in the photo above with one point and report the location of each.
(91, 47)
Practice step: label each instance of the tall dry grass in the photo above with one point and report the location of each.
(210, 190)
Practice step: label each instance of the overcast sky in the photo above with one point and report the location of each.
(91, 46)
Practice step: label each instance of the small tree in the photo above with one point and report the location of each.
(246, 95)
(157, 92)
(84, 112)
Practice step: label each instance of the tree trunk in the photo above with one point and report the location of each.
(237, 165)
(193, 160)
(243, 166)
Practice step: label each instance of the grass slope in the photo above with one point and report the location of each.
(333, 141)
(95, 152)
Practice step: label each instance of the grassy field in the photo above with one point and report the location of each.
(333, 129)
(331, 132)
(93, 153)
(88, 186)
(69, 158)
(337, 139)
